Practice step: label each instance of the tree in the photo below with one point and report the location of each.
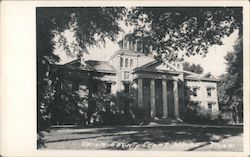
(196, 68)
(173, 33)
(90, 27)
(231, 85)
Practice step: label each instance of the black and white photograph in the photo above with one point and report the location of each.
(124, 78)
(140, 78)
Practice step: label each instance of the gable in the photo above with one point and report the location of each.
(77, 64)
(162, 66)
(209, 76)
(158, 66)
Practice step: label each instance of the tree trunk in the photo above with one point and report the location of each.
(236, 115)
(89, 114)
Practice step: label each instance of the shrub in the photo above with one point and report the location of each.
(197, 114)
(115, 118)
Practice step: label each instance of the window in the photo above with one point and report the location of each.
(209, 92)
(67, 85)
(126, 88)
(125, 45)
(108, 87)
(178, 66)
(126, 62)
(107, 106)
(195, 91)
(131, 63)
(139, 46)
(196, 103)
(146, 87)
(210, 106)
(121, 62)
(126, 75)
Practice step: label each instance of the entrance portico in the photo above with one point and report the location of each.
(147, 90)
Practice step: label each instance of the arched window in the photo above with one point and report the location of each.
(121, 62)
(126, 62)
(178, 66)
(131, 63)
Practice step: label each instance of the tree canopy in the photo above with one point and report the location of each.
(168, 31)
(231, 85)
(89, 25)
(197, 68)
(190, 30)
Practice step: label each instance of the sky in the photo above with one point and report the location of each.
(214, 61)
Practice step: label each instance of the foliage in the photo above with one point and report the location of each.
(201, 115)
(170, 31)
(166, 30)
(90, 27)
(231, 85)
(196, 68)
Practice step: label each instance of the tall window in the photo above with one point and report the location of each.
(126, 88)
(131, 63)
(195, 91)
(108, 87)
(139, 46)
(126, 62)
(210, 106)
(121, 62)
(209, 92)
(126, 75)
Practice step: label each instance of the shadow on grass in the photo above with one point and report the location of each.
(156, 135)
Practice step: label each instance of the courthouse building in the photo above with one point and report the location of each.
(163, 90)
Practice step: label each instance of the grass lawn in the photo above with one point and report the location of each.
(165, 138)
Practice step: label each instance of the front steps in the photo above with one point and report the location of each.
(163, 121)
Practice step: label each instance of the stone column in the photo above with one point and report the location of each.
(164, 99)
(135, 46)
(140, 92)
(152, 98)
(176, 99)
(123, 43)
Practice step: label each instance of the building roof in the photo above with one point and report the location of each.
(101, 66)
(78, 65)
(91, 65)
(127, 53)
(155, 66)
(203, 77)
